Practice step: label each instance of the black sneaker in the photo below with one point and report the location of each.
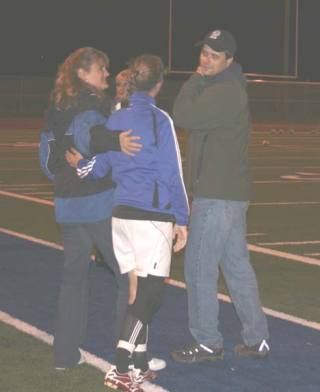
(258, 351)
(196, 353)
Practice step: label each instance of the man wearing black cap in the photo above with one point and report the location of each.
(213, 106)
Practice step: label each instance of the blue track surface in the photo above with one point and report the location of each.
(29, 284)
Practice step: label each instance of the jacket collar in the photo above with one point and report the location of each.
(142, 97)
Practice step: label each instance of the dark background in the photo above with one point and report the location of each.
(36, 36)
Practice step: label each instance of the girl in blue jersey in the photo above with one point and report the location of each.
(150, 210)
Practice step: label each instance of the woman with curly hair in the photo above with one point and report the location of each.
(76, 116)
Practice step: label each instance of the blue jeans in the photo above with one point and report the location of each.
(217, 238)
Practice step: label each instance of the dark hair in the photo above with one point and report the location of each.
(146, 71)
(68, 84)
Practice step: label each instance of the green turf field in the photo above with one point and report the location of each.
(26, 366)
(283, 237)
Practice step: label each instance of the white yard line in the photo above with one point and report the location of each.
(23, 236)
(38, 193)
(37, 333)
(307, 174)
(27, 198)
(284, 255)
(271, 312)
(26, 185)
(47, 338)
(283, 167)
(24, 144)
(294, 179)
(15, 169)
(18, 159)
(286, 203)
(42, 201)
(287, 158)
(15, 188)
(290, 243)
(287, 181)
(312, 254)
(253, 248)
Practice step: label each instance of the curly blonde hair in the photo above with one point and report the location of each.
(67, 84)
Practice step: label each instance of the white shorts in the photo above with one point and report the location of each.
(143, 246)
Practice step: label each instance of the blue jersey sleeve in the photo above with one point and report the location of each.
(94, 168)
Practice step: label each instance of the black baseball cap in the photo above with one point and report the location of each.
(220, 41)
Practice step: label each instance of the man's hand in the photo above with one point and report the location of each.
(73, 156)
(205, 71)
(180, 234)
(128, 143)
(200, 70)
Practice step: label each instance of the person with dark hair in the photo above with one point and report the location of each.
(150, 210)
(213, 106)
(76, 116)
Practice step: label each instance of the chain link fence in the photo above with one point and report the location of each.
(270, 101)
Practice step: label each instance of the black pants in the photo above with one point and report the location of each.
(72, 312)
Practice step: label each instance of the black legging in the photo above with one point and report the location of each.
(149, 298)
(139, 315)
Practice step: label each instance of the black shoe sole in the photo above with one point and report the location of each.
(253, 355)
(250, 354)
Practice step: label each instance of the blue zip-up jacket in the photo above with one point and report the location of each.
(76, 200)
(152, 179)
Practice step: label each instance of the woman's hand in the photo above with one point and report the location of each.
(73, 156)
(128, 143)
(180, 235)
